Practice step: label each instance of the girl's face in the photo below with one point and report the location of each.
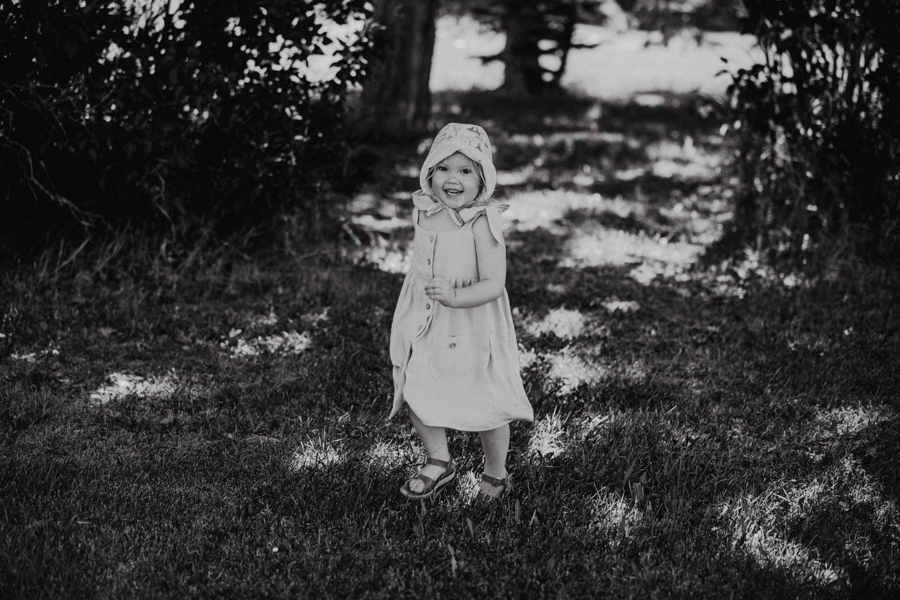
(456, 180)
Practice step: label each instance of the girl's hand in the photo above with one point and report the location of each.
(442, 291)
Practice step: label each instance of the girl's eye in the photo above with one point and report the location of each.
(441, 168)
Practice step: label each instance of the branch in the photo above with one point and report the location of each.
(83, 217)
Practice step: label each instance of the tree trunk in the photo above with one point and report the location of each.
(564, 45)
(522, 71)
(396, 100)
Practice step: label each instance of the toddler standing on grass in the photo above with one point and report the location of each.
(453, 345)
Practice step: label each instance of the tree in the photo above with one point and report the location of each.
(673, 16)
(396, 98)
(175, 113)
(534, 29)
(539, 33)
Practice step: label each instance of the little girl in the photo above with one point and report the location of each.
(453, 345)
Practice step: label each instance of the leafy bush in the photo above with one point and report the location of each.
(819, 125)
(170, 114)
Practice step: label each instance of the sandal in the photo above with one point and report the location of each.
(431, 486)
(496, 482)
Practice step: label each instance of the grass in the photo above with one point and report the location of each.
(727, 430)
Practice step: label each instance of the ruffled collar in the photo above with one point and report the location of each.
(431, 205)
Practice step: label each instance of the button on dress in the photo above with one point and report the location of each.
(455, 367)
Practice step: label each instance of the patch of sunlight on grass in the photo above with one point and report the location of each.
(315, 454)
(849, 420)
(769, 548)
(646, 272)
(563, 323)
(556, 288)
(371, 223)
(756, 524)
(540, 140)
(730, 278)
(527, 357)
(591, 423)
(547, 436)
(264, 320)
(629, 174)
(383, 455)
(390, 260)
(390, 257)
(467, 487)
(32, 357)
(544, 209)
(682, 160)
(801, 499)
(614, 516)
(122, 385)
(314, 319)
(572, 370)
(636, 371)
(669, 169)
(624, 306)
(286, 342)
(864, 493)
(598, 246)
(515, 176)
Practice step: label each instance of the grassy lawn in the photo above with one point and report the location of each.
(201, 422)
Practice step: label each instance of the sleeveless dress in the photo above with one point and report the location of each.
(456, 367)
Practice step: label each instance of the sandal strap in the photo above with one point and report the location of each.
(495, 481)
(438, 463)
(428, 481)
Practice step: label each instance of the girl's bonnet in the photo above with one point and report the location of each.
(470, 140)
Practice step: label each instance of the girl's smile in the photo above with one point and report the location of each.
(456, 181)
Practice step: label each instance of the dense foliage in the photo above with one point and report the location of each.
(819, 122)
(174, 113)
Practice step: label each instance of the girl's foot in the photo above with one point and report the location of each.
(492, 488)
(433, 475)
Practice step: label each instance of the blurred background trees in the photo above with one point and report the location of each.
(178, 114)
(539, 36)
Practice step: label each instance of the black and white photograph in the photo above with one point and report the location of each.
(449, 299)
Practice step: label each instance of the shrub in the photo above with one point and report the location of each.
(169, 114)
(819, 127)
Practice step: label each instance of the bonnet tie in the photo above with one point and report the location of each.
(431, 205)
(437, 206)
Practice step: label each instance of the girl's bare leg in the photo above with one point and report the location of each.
(435, 441)
(496, 446)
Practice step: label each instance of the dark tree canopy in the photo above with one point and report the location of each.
(176, 112)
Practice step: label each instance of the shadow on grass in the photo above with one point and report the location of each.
(698, 433)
